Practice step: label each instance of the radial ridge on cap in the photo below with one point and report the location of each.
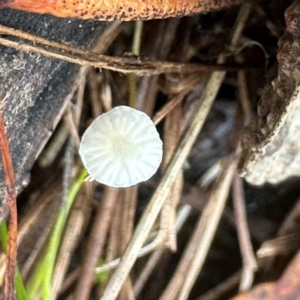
(121, 147)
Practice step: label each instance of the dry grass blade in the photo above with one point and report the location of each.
(96, 243)
(151, 264)
(121, 230)
(144, 251)
(250, 265)
(72, 234)
(178, 223)
(162, 190)
(168, 215)
(205, 230)
(222, 288)
(139, 66)
(290, 224)
(281, 245)
(194, 256)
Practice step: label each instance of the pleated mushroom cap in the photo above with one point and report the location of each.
(121, 147)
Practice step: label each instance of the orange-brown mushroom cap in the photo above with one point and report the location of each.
(125, 10)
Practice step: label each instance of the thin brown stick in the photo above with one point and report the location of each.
(96, 243)
(126, 65)
(290, 224)
(113, 240)
(244, 96)
(180, 286)
(195, 254)
(12, 220)
(94, 85)
(279, 246)
(168, 213)
(248, 256)
(73, 231)
(159, 196)
(148, 269)
(129, 209)
(223, 288)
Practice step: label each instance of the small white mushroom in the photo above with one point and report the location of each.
(121, 147)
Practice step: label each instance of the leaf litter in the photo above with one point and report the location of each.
(186, 255)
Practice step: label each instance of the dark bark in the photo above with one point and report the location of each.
(35, 87)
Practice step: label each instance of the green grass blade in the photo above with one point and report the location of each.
(42, 279)
(19, 286)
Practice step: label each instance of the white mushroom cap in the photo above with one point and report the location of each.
(121, 147)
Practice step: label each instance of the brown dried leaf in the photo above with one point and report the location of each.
(287, 287)
(261, 292)
(270, 144)
(125, 10)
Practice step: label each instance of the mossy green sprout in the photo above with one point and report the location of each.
(121, 148)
